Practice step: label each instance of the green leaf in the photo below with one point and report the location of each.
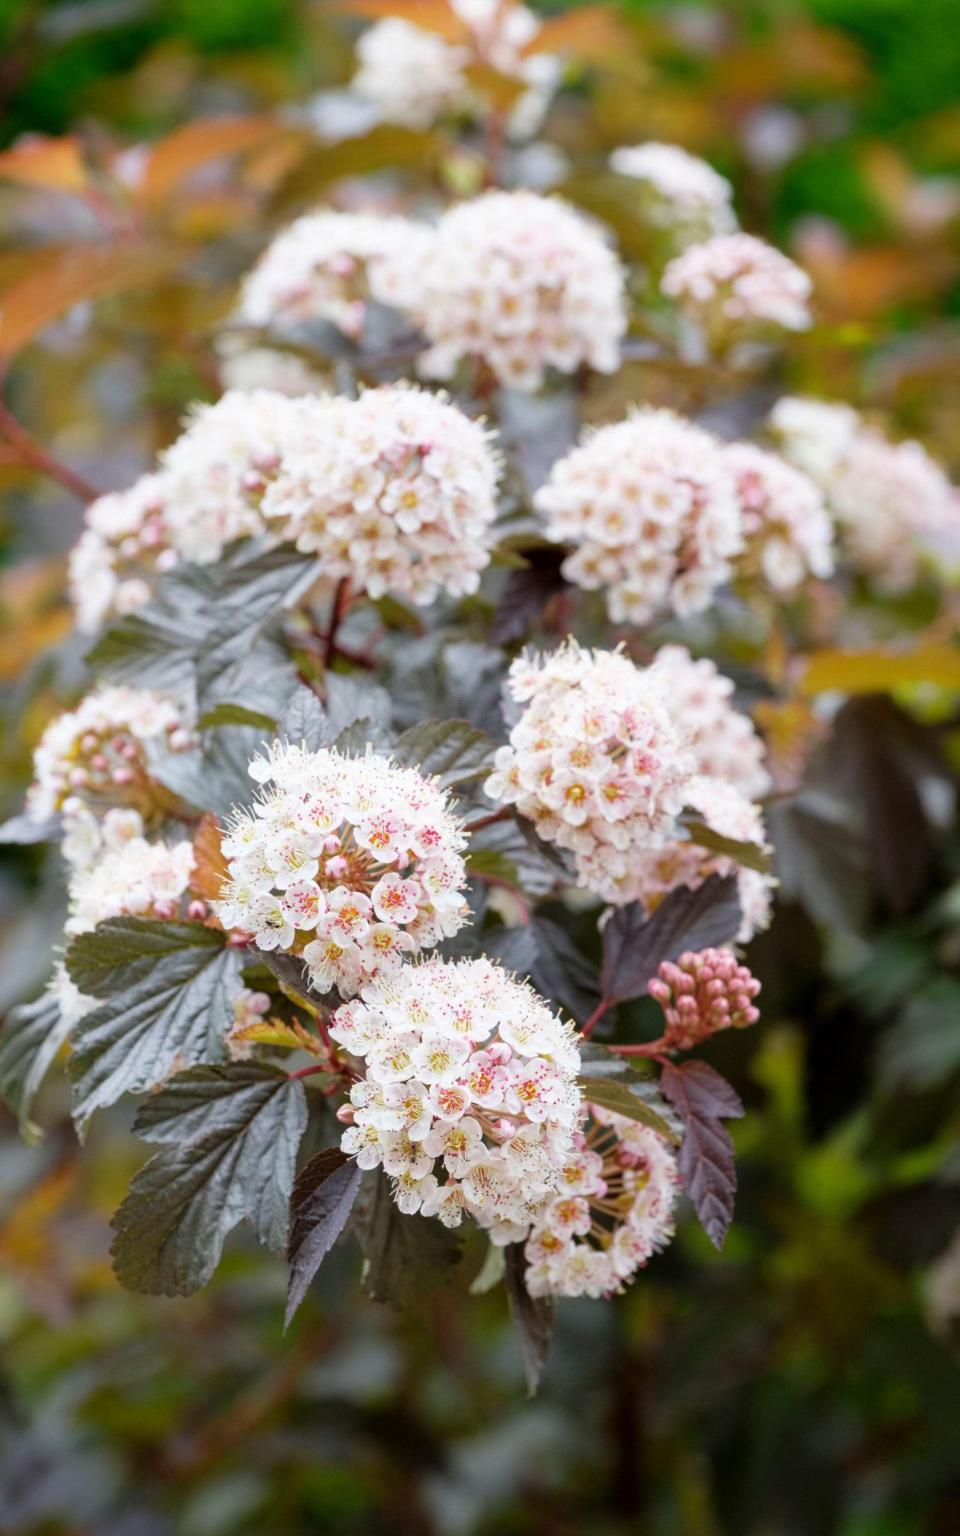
(453, 750)
(404, 1256)
(507, 850)
(629, 1099)
(323, 1196)
(236, 714)
(232, 1135)
(922, 1049)
(30, 1038)
(752, 855)
(168, 991)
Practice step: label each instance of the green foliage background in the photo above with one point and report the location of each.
(795, 1385)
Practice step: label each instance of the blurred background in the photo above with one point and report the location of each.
(805, 1382)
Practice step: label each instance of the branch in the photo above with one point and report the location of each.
(32, 454)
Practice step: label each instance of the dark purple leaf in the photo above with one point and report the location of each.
(634, 945)
(322, 1199)
(526, 594)
(703, 1100)
(532, 1316)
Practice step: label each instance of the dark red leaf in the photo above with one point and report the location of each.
(532, 1315)
(634, 945)
(322, 1197)
(703, 1100)
(526, 594)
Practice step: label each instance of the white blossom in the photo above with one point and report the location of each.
(679, 192)
(786, 526)
(327, 265)
(395, 490)
(736, 287)
(95, 754)
(414, 76)
(616, 1209)
(723, 740)
(469, 1100)
(596, 761)
(896, 510)
(650, 505)
(123, 546)
(523, 283)
(655, 871)
(351, 862)
(215, 471)
(137, 879)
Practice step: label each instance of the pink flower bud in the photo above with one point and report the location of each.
(345, 1114)
(122, 776)
(197, 910)
(500, 1052)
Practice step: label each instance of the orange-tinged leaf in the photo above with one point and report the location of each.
(209, 865)
(24, 641)
(172, 159)
(592, 32)
(500, 90)
(432, 15)
(42, 162)
(879, 671)
(63, 278)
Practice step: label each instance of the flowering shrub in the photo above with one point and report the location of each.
(427, 742)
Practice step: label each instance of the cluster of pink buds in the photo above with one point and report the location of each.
(702, 993)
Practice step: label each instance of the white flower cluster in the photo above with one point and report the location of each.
(125, 542)
(469, 1074)
(680, 192)
(328, 265)
(351, 862)
(395, 490)
(786, 526)
(134, 878)
(897, 511)
(215, 470)
(524, 283)
(655, 871)
(595, 761)
(723, 741)
(619, 1190)
(96, 754)
(651, 505)
(414, 76)
(736, 287)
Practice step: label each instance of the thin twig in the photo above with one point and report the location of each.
(37, 457)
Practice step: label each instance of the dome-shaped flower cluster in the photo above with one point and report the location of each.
(786, 527)
(651, 506)
(395, 490)
(413, 76)
(653, 872)
(469, 1078)
(351, 862)
(813, 434)
(897, 511)
(619, 1188)
(737, 288)
(523, 283)
(327, 265)
(723, 741)
(216, 469)
(595, 761)
(124, 544)
(135, 878)
(679, 192)
(96, 754)
(701, 993)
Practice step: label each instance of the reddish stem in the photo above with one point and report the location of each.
(503, 814)
(604, 1005)
(341, 603)
(311, 1071)
(39, 459)
(652, 1048)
